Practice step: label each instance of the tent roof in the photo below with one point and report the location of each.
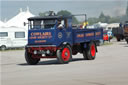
(19, 19)
(1, 23)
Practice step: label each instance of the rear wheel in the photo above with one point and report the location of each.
(64, 55)
(3, 47)
(30, 60)
(90, 52)
(85, 54)
(127, 41)
(118, 39)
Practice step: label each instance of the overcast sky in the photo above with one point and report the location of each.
(93, 8)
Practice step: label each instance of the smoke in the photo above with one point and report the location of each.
(118, 9)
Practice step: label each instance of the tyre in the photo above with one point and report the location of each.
(74, 52)
(127, 41)
(3, 47)
(85, 54)
(30, 60)
(90, 52)
(118, 39)
(64, 55)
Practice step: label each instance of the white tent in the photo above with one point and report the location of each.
(18, 20)
(1, 24)
(99, 24)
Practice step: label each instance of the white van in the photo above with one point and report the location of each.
(12, 37)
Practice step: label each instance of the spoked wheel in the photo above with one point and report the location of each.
(30, 60)
(64, 55)
(90, 52)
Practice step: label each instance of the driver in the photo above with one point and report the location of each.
(60, 24)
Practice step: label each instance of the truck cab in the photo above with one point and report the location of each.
(50, 30)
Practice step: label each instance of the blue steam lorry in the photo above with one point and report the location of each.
(56, 37)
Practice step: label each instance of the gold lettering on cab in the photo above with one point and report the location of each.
(40, 35)
(40, 41)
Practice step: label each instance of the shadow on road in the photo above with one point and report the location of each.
(51, 62)
(123, 44)
(126, 46)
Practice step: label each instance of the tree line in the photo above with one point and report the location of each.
(108, 19)
(92, 20)
(63, 13)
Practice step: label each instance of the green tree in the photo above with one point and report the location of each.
(114, 20)
(64, 13)
(105, 18)
(101, 15)
(93, 20)
(67, 13)
(42, 13)
(102, 18)
(47, 13)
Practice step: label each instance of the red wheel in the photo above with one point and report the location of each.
(64, 55)
(93, 51)
(90, 52)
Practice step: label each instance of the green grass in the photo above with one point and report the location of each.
(107, 43)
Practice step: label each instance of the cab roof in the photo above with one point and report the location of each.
(49, 17)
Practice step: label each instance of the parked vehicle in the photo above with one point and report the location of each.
(121, 32)
(118, 33)
(12, 37)
(126, 31)
(54, 37)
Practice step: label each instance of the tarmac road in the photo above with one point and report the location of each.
(109, 68)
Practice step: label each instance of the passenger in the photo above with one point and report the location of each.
(85, 24)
